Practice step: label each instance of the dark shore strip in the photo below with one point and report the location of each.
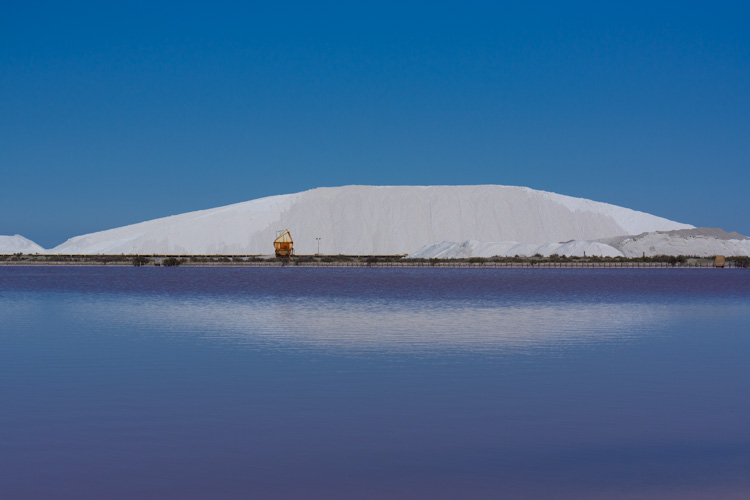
(556, 262)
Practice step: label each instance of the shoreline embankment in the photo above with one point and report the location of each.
(339, 261)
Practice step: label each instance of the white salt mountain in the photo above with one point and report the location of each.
(18, 244)
(375, 220)
(699, 242)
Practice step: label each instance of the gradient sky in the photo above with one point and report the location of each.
(114, 113)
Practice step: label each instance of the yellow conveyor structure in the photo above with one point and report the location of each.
(284, 245)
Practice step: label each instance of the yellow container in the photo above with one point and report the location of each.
(284, 245)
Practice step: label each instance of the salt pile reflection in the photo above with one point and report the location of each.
(383, 326)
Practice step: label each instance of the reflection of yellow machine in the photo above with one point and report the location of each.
(284, 245)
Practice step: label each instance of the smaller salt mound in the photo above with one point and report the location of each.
(18, 244)
(579, 249)
(470, 248)
(699, 242)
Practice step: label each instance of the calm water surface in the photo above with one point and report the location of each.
(374, 383)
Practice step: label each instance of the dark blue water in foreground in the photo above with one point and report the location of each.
(374, 383)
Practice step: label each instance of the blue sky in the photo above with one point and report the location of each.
(114, 113)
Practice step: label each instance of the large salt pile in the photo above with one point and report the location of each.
(18, 244)
(363, 220)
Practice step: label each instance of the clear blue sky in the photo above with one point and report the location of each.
(114, 113)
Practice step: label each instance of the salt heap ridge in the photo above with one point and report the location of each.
(375, 220)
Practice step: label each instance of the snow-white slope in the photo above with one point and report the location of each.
(375, 220)
(18, 244)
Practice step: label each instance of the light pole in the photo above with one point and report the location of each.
(318, 246)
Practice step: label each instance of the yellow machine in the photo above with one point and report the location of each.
(284, 245)
(719, 261)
